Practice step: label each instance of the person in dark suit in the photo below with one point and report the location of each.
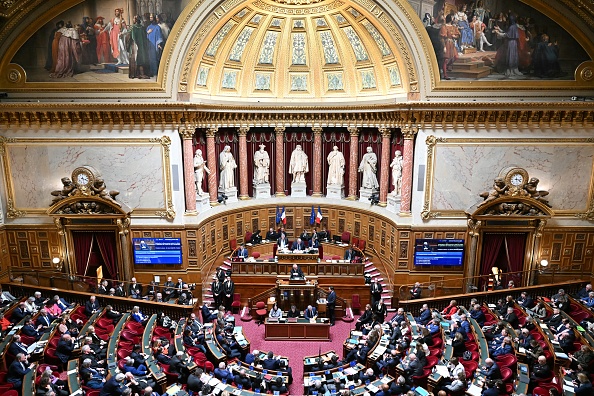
(278, 386)
(65, 348)
(92, 306)
(222, 373)
(293, 312)
(271, 235)
(242, 252)
(18, 313)
(376, 290)
(270, 363)
(138, 356)
(425, 316)
(555, 319)
(310, 312)
(177, 365)
(490, 389)
(349, 254)
(583, 386)
(331, 304)
(135, 289)
(365, 318)
(380, 310)
(17, 371)
(511, 318)
(490, 370)
(286, 370)
(228, 290)
(114, 386)
(296, 272)
(414, 368)
(216, 287)
(282, 242)
(119, 290)
(242, 380)
(61, 303)
(103, 288)
(366, 375)
(477, 314)
(161, 357)
(415, 292)
(194, 382)
(17, 346)
(44, 320)
(298, 245)
(112, 314)
(31, 331)
(566, 338)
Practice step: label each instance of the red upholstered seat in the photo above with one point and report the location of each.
(5, 388)
(123, 353)
(256, 255)
(51, 358)
(335, 257)
(507, 360)
(13, 392)
(346, 237)
(506, 374)
(435, 352)
(233, 244)
(236, 304)
(540, 391)
(471, 346)
(362, 244)
(27, 340)
(431, 362)
(103, 323)
(421, 380)
(355, 303)
(248, 236)
(128, 335)
(261, 310)
(355, 242)
(469, 365)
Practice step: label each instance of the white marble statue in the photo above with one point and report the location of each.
(396, 166)
(298, 166)
(227, 166)
(368, 166)
(336, 165)
(262, 166)
(199, 169)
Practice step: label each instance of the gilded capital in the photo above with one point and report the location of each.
(279, 130)
(354, 131)
(211, 132)
(186, 133)
(385, 132)
(317, 130)
(409, 131)
(242, 131)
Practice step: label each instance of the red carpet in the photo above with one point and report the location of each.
(296, 350)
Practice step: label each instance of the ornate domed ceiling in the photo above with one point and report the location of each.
(331, 50)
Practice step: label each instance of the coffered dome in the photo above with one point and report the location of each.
(296, 50)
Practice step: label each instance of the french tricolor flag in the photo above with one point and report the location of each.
(283, 216)
(319, 216)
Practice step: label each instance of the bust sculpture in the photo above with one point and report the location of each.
(298, 166)
(336, 165)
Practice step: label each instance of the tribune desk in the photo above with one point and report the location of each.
(301, 329)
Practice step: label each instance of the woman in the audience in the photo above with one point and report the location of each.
(451, 309)
(138, 316)
(275, 312)
(539, 310)
(584, 357)
(53, 308)
(458, 345)
(583, 386)
(458, 384)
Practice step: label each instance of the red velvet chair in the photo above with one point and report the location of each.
(362, 244)
(12, 392)
(346, 237)
(540, 391)
(421, 380)
(431, 361)
(5, 388)
(135, 327)
(51, 358)
(256, 255)
(248, 237)
(356, 303)
(233, 245)
(506, 374)
(27, 340)
(261, 311)
(123, 353)
(336, 257)
(507, 360)
(355, 242)
(103, 323)
(236, 304)
(129, 336)
(435, 352)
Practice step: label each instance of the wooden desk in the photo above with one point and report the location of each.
(29, 381)
(178, 342)
(298, 293)
(291, 258)
(300, 330)
(151, 364)
(73, 380)
(112, 346)
(310, 268)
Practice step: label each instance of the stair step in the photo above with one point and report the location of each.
(474, 73)
(368, 264)
(467, 65)
(370, 269)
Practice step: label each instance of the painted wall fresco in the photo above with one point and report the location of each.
(497, 40)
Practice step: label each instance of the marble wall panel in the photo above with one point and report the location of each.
(462, 171)
(136, 171)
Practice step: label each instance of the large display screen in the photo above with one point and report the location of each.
(439, 252)
(157, 250)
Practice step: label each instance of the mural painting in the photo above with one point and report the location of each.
(101, 41)
(497, 40)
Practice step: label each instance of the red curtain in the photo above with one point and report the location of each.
(516, 249)
(304, 137)
(82, 250)
(107, 247)
(256, 137)
(491, 246)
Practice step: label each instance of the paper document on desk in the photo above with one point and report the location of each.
(442, 370)
(521, 350)
(385, 379)
(474, 390)
(569, 388)
(372, 388)
(561, 355)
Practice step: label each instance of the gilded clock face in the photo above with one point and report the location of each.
(84, 176)
(514, 176)
(517, 179)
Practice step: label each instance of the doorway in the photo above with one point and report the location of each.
(95, 252)
(502, 259)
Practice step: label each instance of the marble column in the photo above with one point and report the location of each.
(317, 162)
(280, 161)
(353, 163)
(474, 233)
(187, 134)
(385, 167)
(243, 164)
(409, 132)
(213, 165)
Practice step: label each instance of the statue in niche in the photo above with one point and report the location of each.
(336, 165)
(98, 188)
(396, 166)
(499, 189)
(199, 169)
(262, 166)
(68, 189)
(298, 166)
(368, 166)
(227, 167)
(531, 189)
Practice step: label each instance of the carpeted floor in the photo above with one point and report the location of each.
(295, 350)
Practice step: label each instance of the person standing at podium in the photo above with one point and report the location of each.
(242, 253)
(331, 304)
(296, 272)
(298, 245)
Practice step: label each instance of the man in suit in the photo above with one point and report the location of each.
(242, 252)
(525, 300)
(310, 313)
(18, 313)
(103, 288)
(293, 312)
(91, 306)
(17, 346)
(39, 301)
(331, 304)
(376, 290)
(490, 370)
(380, 310)
(278, 386)
(114, 386)
(540, 370)
(242, 380)
(135, 289)
(65, 348)
(179, 366)
(425, 316)
(584, 292)
(296, 272)
(88, 353)
(61, 303)
(298, 245)
(349, 254)
(503, 349)
(270, 363)
(44, 320)
(228, 289)
(415, 292)
(365, 318)
(138, 356)
(511, 318)
(207, 316)
(271, 235)
(119, 290)
(414, 368)
(282, 242)
(17, 371)
(31, 331)
(168, 289)
(465, 324)
(477, 314)
(222, 373)
(555, 319)
(112, 314)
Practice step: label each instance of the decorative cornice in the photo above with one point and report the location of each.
(186, 133)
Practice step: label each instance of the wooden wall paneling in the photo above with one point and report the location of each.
(568, 250)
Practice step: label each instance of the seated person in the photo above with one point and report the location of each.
(17, 371)
(222, 373)
(242, 380)
(282, 242)
(242, 253)
(92, 306)
(365, 318)
(256, 237)
(350, 254)
(275, 312)
(271, 235)
(310, 313)
(135, 289)
(18, 313)
(278, 386)
(293, 312)
(298, 245)
(17, 346)
(138, 316)
(270, 363)
(129, 367)
(30, 330)
(296, 272)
